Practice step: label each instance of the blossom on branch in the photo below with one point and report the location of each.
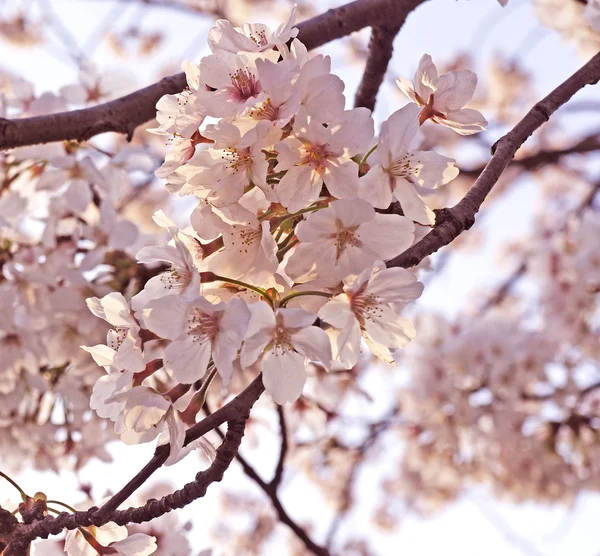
(284, 341)
(443, 97)
(369, 307)
(395, 169)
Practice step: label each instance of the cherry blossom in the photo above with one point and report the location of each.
(369, 307)
(198, 330)
(182, 278)
(284, 341)
(108, 539)
(249, 250)
(233, 79)
(396, 169)
(251, 37)
(443, 97)
(349, 236)
(315, 154)
(234, 162)
(124, 345)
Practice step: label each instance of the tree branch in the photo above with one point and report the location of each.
(379, 55)
(504, 288)
(24, 534)
(450, 223)
(184, 7)
(541, 158)
(232, 410)
(124, 114)
(358, 454)
(235, 412)
(270, 489)
(276, 481)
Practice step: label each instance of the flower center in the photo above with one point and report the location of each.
(245, 84)
(176, 279)
(266, 111)
(260, 38)
(116, 339)
(365, 306)
(402, 168)
(316, 155)
(236, 160)
(202, 326)
(344, 238)
(282, 340)
(244, 238)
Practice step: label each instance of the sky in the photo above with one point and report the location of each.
(477, 524)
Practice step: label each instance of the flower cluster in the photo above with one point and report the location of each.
(284, 261)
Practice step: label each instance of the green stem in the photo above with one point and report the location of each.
(279, 234)
(13, 483)
(265, 215)
(369, 153)
(291, 296)
(59, 503)
(283, 251)
(286, 241)
(303, 211)
(260, 291)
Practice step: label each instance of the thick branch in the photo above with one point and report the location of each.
(124, 114)
(235, 413)
(380, 52)
(450, 223)
(150, 510)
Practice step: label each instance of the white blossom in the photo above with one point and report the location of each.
(369, 307)
(198, 330)
(284, 341)
(443, 97)
(346, 238)
(396, 169)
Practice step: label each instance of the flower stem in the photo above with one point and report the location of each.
(264, 215)
(260, 291)
(287, 240)
(291, 296)
(13, 483)
(59, 503)
(303, 211)
(285, 249)
(369, 153)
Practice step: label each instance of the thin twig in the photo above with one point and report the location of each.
(189, 9)
(271, 491)
(276, 481)
(503, 290)
(450, 223)
(544, 157)
(375, 431)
